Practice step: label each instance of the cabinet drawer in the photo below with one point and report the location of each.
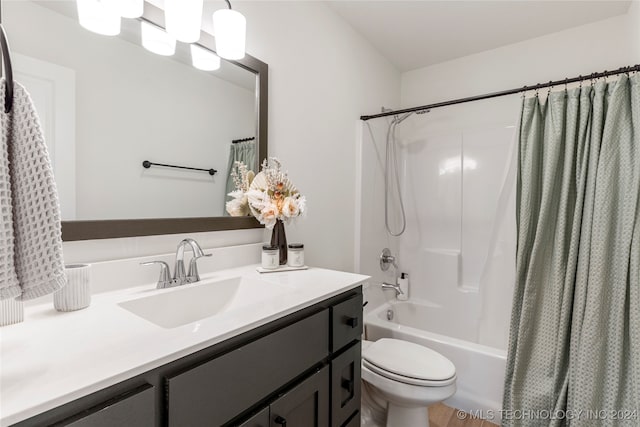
(221, 389)
(345, 385)
(346, 322)
(136, 408)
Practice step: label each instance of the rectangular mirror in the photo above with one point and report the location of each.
(116, 118)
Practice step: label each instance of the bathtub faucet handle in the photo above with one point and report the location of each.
(386, 259)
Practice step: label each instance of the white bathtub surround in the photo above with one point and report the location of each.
(56, 370)
(76, 295)
(455, 163)
(479, 369)
(456, 169)
(11, 311)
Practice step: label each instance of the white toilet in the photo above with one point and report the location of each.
(402, 378)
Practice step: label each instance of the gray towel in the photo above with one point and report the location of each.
(31, 263)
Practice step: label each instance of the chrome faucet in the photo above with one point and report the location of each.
(394, 287)
(387, 260)
(179, 276)
(179, 271)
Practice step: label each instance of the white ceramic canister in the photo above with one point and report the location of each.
(76, 294)
(295, 255)
(270, 257)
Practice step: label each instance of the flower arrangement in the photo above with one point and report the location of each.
(270, 196)
(242, 178)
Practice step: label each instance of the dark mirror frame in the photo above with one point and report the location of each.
(110, 229)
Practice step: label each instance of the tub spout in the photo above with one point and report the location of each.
(394, 287)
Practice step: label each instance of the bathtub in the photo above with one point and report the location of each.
(480, 369)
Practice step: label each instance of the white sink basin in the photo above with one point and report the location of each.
(189, 303)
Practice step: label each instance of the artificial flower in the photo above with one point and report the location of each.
(270, 195)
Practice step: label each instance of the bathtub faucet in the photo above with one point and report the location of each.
(394, 287)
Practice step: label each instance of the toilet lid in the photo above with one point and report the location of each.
(407, 359)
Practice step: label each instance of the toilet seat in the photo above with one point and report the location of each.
(408, 363)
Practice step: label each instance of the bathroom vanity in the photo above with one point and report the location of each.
(297, 366)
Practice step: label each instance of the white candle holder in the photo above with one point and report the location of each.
(76, 295)
(11, 311)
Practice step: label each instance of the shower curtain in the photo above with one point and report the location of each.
(574, 346)
(239, 152)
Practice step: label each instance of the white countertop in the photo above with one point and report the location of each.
(54, 358)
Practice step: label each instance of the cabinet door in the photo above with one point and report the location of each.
(136, 408)
(354, 421)
(306, 405)
(345, 385)
(261, 419)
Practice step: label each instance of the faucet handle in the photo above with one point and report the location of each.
(193, 275)
(386, 259)
(164, 281)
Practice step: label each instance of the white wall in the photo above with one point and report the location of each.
(451, 215)
(323, 76)
(133, 105)
(603, 45)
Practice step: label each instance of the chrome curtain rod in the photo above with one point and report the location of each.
(594, 76)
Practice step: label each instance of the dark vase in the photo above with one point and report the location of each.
(279, 239)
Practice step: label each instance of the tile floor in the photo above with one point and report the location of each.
(441, 415)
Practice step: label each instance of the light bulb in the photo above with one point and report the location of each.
(204, 59)
(183, 19)
(229, 28)
(156, 40)
(129, 8)
(98, 16)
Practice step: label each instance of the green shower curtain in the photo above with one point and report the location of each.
(574, 350)
(239, 152)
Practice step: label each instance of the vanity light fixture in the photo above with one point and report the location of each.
(98, 16)
(156, 40)
(230, 31)
(183, 19)
(130, 8)
(204, 59)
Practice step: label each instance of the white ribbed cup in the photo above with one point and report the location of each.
(11, 311)
(76, 294)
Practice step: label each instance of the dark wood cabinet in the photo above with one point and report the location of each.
(301, 370)
(261, 419)
(136, 408)
(345, 384)
(223, 388)
(346, 322)
(305, 405)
